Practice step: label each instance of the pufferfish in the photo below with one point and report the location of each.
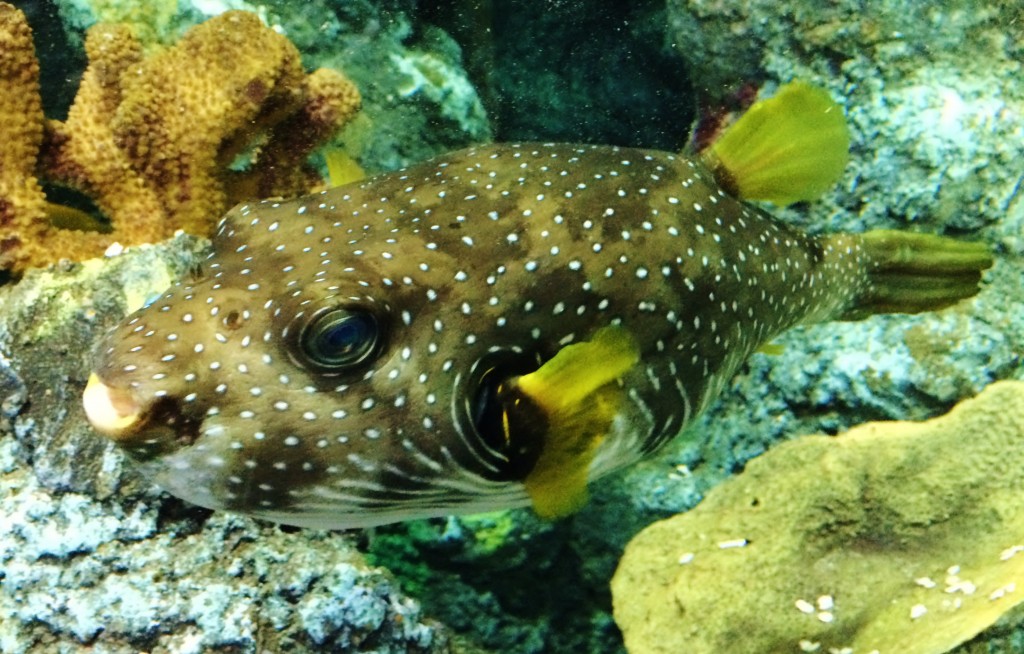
(493, 328)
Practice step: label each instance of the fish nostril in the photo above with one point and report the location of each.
(233, 320)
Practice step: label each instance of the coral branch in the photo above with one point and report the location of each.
(150, 138)
(22, 203)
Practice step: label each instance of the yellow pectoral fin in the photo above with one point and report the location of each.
(577, 393)
(579, 369)
(557, 485)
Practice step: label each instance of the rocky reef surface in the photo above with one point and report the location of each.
(94, 559)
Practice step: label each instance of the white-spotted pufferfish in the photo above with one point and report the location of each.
(493, 328)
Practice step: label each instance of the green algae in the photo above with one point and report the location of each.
(492, 531)
(893, 537)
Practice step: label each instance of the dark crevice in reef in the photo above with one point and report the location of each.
(61, 62)
(180, 517)
(543, 76)
(523, 592)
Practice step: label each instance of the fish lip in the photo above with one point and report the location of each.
(145, 429)
(111, 410)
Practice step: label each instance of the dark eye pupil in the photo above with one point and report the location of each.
(341, 338)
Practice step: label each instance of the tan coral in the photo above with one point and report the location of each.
(281, 164)
(83, 152)
(22, 203)
(150, 139)
(892, 537)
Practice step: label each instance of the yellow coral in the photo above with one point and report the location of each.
(83, 152)
(280, 164)
(150, 138)
(22, 204)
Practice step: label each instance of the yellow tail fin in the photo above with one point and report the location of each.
(912, 272)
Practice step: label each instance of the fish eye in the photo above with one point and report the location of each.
(339, 339)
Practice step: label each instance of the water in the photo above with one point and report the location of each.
(91, 556)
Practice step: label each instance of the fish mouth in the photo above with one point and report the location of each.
(144, 429)
(111, 411)
(509, 427)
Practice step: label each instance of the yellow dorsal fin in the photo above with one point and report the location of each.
(791, 147)
(341, 168)
(577, 393)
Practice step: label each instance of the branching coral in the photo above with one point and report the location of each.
(151, 139)
(22, 203)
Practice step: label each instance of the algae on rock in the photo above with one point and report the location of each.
(893, 537)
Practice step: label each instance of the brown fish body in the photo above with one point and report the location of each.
(335, 364)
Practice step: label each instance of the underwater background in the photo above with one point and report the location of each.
(93, 558)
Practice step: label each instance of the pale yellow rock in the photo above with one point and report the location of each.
(895, 537)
